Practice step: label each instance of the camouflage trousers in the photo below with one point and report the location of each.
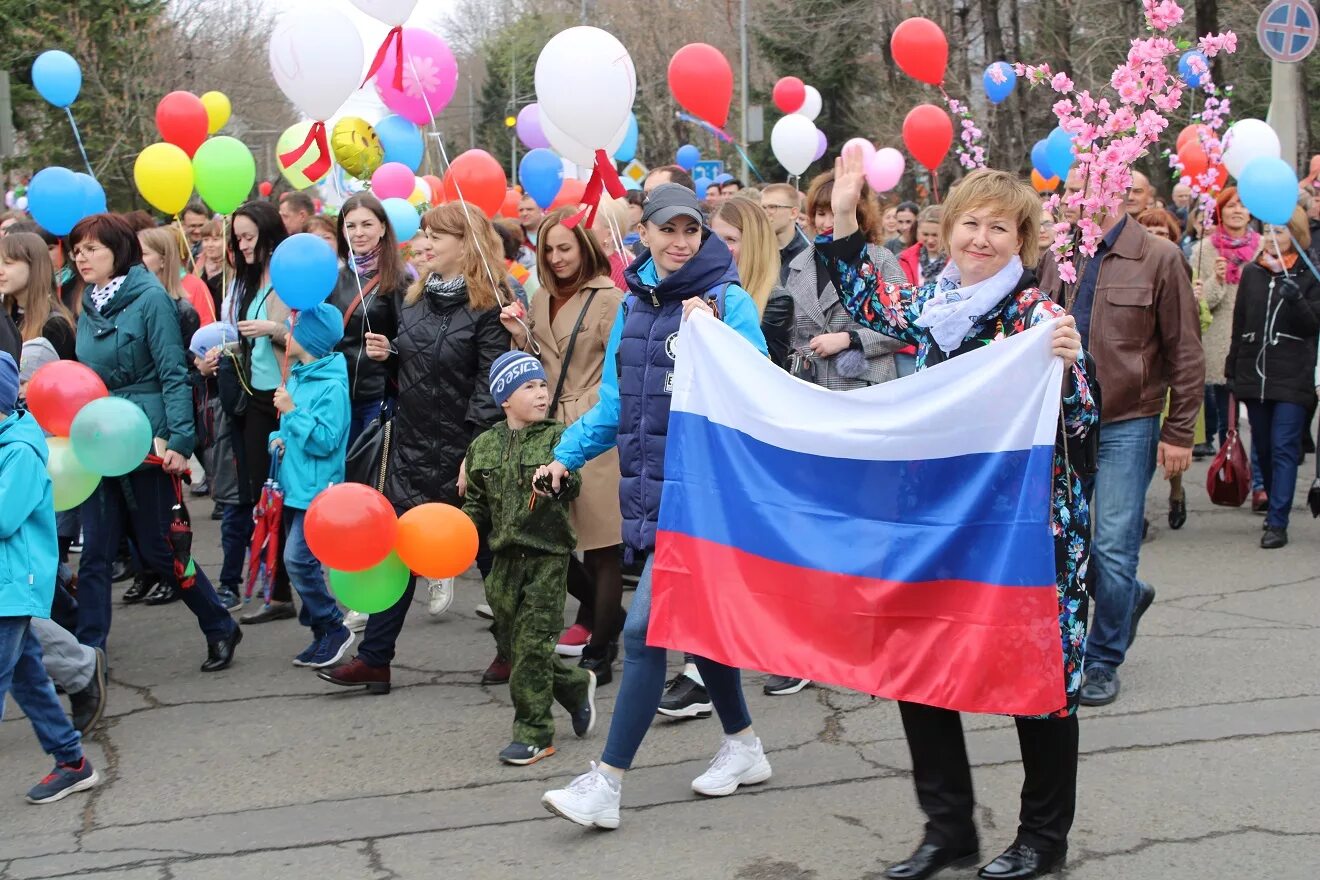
(526, 595)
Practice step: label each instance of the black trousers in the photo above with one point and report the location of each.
(943, 777)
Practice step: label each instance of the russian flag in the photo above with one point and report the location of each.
(894, 540)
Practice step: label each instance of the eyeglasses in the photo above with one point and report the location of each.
(778, 207)
(86, 252)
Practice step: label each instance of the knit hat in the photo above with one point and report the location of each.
(35, 354)
(510, 371)
(8, 383)
(319, 329)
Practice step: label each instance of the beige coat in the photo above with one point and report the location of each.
(596, 511)
(1219, 297)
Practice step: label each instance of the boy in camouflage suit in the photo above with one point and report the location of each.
(531, 538)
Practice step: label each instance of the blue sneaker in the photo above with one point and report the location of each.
(332, 647)
(584, 717)
(63, 781)
(305, 658)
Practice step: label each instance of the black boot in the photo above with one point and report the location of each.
(599, 660)
(144, 584)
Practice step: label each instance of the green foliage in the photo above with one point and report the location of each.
(510, 84)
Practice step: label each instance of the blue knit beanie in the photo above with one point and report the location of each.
(319, 329)
(510, 371)
(9, 383)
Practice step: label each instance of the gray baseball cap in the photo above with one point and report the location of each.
(670, 200)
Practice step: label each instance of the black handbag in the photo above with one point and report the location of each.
(368, 458)
(230, 385)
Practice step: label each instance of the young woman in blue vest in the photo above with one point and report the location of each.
(685, 268)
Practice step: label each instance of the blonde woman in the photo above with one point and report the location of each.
(27, 286)
(160, 256)
(745, 228)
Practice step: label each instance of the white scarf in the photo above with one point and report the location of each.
(101, 296)
(953, 312)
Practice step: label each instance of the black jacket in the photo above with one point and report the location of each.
(445, 350)
(1275, 327)
(10, 341)
(777, 325)
(366, 378)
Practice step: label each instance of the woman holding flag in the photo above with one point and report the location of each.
(989, 225)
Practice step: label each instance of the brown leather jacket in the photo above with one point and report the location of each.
(1145, 333)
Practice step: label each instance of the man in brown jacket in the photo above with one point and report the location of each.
(1135, 310)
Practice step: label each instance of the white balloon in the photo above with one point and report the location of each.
(316, 57)
(793, 140)
(392, 12)
(569, 148)
(811, 106)
(1249, 139)
(585, 86)
(424, 187)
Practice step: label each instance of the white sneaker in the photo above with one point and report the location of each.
(484, 612)
(355, 621)
(590, 800)
(442, 595)
(734, 764)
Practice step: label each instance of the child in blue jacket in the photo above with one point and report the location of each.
(313, 437)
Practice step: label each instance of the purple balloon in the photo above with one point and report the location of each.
(529, 128)
(821, 145)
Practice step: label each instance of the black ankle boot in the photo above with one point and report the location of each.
(599, 660)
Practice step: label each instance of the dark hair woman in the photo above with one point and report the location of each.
(905, 220)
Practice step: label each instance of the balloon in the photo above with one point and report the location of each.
(628, 149)
(402, 142)
(57, 199)
(421, 194)
(372, 590)
(575, 151)
(393, 13)
(529, 128)
(920, 50)
(1189, 76)
(349, 526)
(629, 184)
(793, 141)
(1043, 184)
(110, 436)
(822, 144)
(867, 148)
(478, 179)
(224, 171)
(687, 157)
(1059, 149)
(998, 91)
(570, 194)
(212, 336)
(1040, 158)
(356, 146)
(218, 110)
(928, 134)
(702, 82)
(403, 217)
(789, 94)
(541, 174)
(811, 104)
(57, 77)
(93, 194)
(291, 139)
(585, 86)
(700, 185)
(430, 75)
(265, 188)
(58, 390)
(1195, 162)
(885, 169)
(438, 189)
(436, 540)
(512, 198)
(1268, 187)
(392, 180)
(303, 270)
(1246, 141)
(316, 57)
(72, 483)
(182, 121)
(1190, 132)
(164, 175)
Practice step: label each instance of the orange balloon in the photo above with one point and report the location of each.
(1042, 184)
(1190, 133)
(437, 189)
(436, 540)
(1195, 163)
(570, 194)
(479, 178)
(510, 207)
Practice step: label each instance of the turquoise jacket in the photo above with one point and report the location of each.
(29, 554)
(315, 431)
(137, 350)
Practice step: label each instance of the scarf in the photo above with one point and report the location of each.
(954, 311)
(101, 296)
(931, 264)
(367, 264)
(453, 290)
(1236, 252)
(1271, 262)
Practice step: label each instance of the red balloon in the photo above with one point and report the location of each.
(790, 94)
(1190, 133)
(480, 178)
(509, 209)
(265, 188)
(1195, 163)
(350, 527)
(437, 189)
(702, 82)
(58, 390)
(182, 120)
(570, 195)
(920, 50)
(928, 134)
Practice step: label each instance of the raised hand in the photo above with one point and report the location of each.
(849, 179)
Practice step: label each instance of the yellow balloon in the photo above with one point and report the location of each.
(218, 110)
(164, 175)
(293, 138)
(356, 146)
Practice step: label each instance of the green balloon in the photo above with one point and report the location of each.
(72, 482)
(111, 436)
(224, 172)
(373, 589)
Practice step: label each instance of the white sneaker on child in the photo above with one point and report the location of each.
(590, 800)
(734, 764)
(441, 595)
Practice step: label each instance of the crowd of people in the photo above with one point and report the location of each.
(516, 368)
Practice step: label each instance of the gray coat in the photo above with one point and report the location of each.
(814, 315)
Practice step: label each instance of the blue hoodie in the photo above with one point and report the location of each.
(29, 553)
(315, 431)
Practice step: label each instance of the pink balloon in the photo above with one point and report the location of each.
(529, 128)
(821, 145)
(430, 76)
(867, 148)
(393, 180)
(885, 169)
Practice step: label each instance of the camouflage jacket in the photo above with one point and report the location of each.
(500, 465)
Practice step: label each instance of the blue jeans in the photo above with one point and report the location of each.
(1118, 506)
(905, 364)
(23, 674)
(235, 536)
(644, 683)
(363, 413)
(1276, 438)
(1216, 413)
(319, 610)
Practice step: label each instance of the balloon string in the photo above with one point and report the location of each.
(187, 247)
(77, 136)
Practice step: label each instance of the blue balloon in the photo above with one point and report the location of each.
(998, 91)
(628, 149)
(1059, 150)
(1268, 189)
(403, 217)
(687, 157)
(700, 185)
(212, 336)
(1189, 76)
(629, 183)
(93, 194)
(303, 270)
(541, 174)
(57, 199)
(401, 140)
(57, 77)
(1040, 158)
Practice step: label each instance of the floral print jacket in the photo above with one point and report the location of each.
(893, 309)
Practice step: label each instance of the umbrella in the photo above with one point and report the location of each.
(1313, 497)
(267, 518)
(179, 535)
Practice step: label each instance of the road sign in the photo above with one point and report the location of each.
(709, 169)
(1287, 30)
(635, 170)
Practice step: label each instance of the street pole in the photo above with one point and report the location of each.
(1285, 106)
(742, 104)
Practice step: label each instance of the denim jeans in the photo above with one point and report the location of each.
(319, 610)
(905, 364)
(235, 536)
(644, 683)
(1118, 505)
(1216, 413)
(1276, 437)
(23, 675)
(363, 413)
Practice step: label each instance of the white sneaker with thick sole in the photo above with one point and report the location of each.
(441, 595)
(355, 621)
(734, 764)
(590, 800)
